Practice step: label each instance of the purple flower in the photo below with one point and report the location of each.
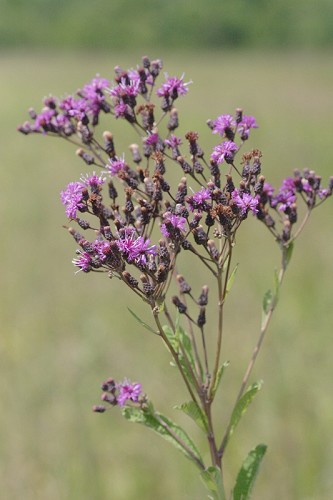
(173, 225)
(135, 248)
(123, 89)
(151, 140)
(116, 165)
(245, 202)
(92, 180)
(224, 151)
(222, 123)
(44, 120)
(286, 195)
(245, 125)
(173, 87)
(128, 392)
(198, 199)
(173, 141)
(102, 248)
(83, 262)
(72, 198)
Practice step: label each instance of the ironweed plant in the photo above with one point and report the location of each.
(133, 224)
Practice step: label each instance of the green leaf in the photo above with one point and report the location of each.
(219, 377)
(287, 254)
(248, 473)
(177, 338)
(241, 407)
(231, 280)
(267, 301)
(165, 428)
(193, 410)
(212, 479)
(142, 322)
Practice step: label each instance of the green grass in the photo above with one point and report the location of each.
(62, 334)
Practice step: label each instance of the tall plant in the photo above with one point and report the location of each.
(136, 231)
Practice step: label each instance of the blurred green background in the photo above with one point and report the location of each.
(62, 334)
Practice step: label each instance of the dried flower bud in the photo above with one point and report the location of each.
(184, 287)
(180, 306)
(202, 317)
(136, 156)
(109, 144)
(87, 158)
(173, 122)
(203, 299)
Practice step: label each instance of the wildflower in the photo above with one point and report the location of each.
(245, 125)
(116, 165)
(173, 225)
(102, 248)
(135, 249)
(128, 392)
(173, 87)
(92, 180)
(83, 262)
(198, 199)
(224, 151)
(222, 124)
(72, 198)
(245, 202)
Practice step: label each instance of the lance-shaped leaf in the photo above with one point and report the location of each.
(166, 429)
(193, 410)
(142, 322)
(241, 407)
(248, 473)
(212, 479)
(219, 377)
(231, 280)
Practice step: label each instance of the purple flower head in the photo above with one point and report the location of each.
(198, 200)
(135, 249)
(151, 140)
(286, 195)
(122, 110)
(173, 141)
(102, 248)
(124, 88)
(128, 391)
(173, 87)
(44, 120)
(134, 75)
(173, 225)
(97, 84)
(245, 125)
(92, 180)
(224, 151)
(83, 262)
(222, 123)
(72, 198)
(116, 165)
(245, 202)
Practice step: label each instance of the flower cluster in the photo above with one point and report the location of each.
(134, 222)
(120, 394)
(201, 210)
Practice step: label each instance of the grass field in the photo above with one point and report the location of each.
(62, 334)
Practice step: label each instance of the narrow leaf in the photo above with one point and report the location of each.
(241, 407)
(219, 377)
(288, 254)
(193, 410)
(231, 280)
(212, 479)
(248, 473)
(267, 301)
(165, 428)
(142, 322)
